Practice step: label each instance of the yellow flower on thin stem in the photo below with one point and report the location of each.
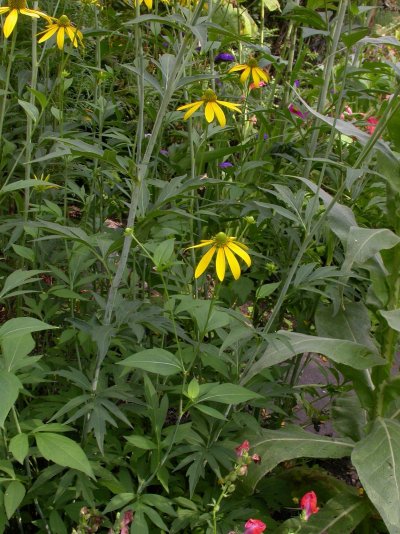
(212, 107)
(226, 248)
(251, 68)
(149, 3)
(61, 27)
(14, 8)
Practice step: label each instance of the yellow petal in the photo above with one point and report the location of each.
(240, 252)
(233, 263)
(256, 76)
(4, 10)
(10, 22)
(204, 262)
(72, 35)
(60, 38)
(209, 112)
(219, 114)
(187, 106)
(149, 3)
(220, 263)
(263, 75)
(202, 244)
(194, 108)
(48, 33)
(237, 68)
(245, 74)
(30, 12)
(229, 105)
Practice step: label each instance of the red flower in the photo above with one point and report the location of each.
(243, 448)
(372, 122)
(254, 526)
(308, 504)
(256, 458)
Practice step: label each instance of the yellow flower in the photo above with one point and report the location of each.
(14, 8)
(43, 178)
(251, 67)
(212, 107)
(149, 3)
(62, 26)
(226, 248)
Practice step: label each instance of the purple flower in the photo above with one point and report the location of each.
(225, 165)
(296, 83)
(224, 56)
(164, 152)
(265, 136)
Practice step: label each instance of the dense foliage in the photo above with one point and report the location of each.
(200, 285)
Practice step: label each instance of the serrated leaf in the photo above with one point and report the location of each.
(377, 460)
(157, 361)
(276, 446)
(63, 451)
(13, 497)
(19, 447)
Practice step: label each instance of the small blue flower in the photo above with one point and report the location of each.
(224, 56)
(225, 165)
(296, 83)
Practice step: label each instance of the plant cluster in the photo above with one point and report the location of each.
(199, 207)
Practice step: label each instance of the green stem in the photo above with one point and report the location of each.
(7, 84)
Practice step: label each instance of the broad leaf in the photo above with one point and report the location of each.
(9, 390)
(17, 279)
(228, 394)
(19, 447)
(157, 361)
(287, 344)
(13, 496)
(20, 326)
(377, 460)
(15, 350)
(63, 451)
(276, 446)
(392, 317)
(363, 243)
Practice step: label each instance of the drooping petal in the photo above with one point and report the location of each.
(4, 10)
(237, 68)
(31, 13)
(149, 3)
(245, 74)
(202, 244)
(219, 114)
(229, 105)
(233, 263)
(10, 22)
(209, 112)
(220, 263)
(240, 252)
(51, 30)
(255, 75)
(60, 38)
(71, 32)
(195, 106)
(204, 262)
(263, 75)
(187, 106)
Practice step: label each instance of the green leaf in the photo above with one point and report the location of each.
(157, 361)
(30, 109)
(363, 243)
(19, 447)
(276, 446)
(118, 502)
(377, 460)
(17, 279)
(272, 5)
(351, 38)
(9, 388)
(15, 349)
(392, 317)
(23, 325)
(24, 184)
(163, 254)
(63, 451)
(266, 290)
(210, 412)
(13, 497)
(141, 442)
(286, 345)
(24, 252)
(228, 394)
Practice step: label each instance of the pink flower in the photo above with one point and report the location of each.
(372, 122)
(242, 449)
(296, 111)
(308, 504)
(257, 86)
(126, 521)
(256, 458)
(254, 526)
